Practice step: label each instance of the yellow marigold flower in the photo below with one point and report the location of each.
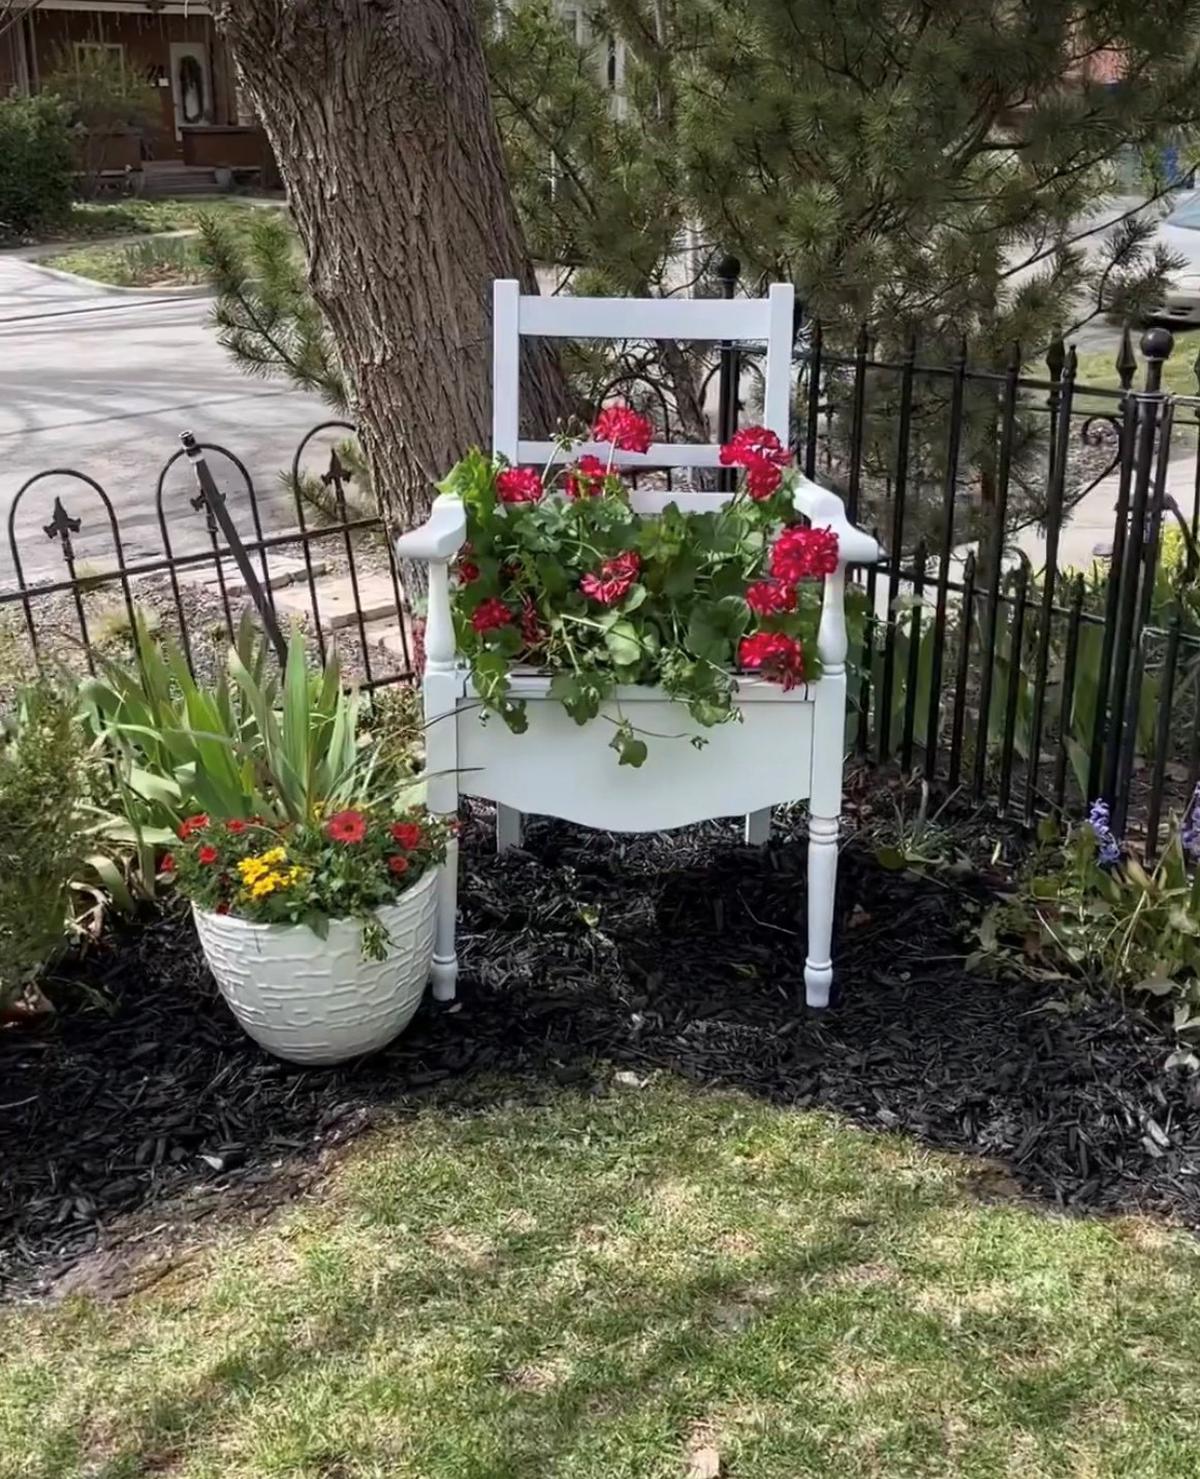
(273, 855)
(251, 869)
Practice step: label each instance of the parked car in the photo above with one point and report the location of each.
(1180, 232)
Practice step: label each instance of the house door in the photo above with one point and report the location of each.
(191, 84)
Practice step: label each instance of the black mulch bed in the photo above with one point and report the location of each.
(682, 953)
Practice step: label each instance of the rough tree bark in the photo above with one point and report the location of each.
(380, 115)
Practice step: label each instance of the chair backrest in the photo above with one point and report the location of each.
(767, 320)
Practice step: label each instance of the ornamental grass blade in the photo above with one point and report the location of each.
(297, 749)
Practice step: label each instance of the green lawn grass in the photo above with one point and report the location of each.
(127, 217)
(159, 261)
(596, 1288)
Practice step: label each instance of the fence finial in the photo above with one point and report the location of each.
(1056, 353)
(1156, 344)
(1126, 361)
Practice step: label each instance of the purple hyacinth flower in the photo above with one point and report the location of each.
(1108, 850)
(1189, 832)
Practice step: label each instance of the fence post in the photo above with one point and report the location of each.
(1140, 544)
(728, 271)
(215, 503)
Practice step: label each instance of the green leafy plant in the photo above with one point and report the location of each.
(43, 783)
(37, 164)
(1087, 909)
(249, 745)
(308, 873)
(562, 575)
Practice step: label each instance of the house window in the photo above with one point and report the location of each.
(99, 52)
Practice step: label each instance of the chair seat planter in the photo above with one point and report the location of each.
(786, 744)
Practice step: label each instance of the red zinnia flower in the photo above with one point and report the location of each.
(207, 854)
(615, 578)
(490, 614)
(192, 824)
(398, 864)
(346, 826)
(776, 655)
(236, 825)
(770, 597)
(518, 485)
(800, 554)
(168, 863)
(407, 834)
(624, 428)
(585, 479)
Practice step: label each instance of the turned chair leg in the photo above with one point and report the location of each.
(510, 828)
(758, 827)
(444, 972)
(822, 886)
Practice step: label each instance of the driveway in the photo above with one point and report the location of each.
(104, 383)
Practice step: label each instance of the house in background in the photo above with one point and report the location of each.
(202, 124)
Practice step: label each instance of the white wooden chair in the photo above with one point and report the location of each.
(789, 745)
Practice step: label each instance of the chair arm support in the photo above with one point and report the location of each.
(825, 509)
(440, 537)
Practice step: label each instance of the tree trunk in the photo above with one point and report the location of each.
(380, 115)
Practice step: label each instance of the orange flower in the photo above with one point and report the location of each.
(346, 826)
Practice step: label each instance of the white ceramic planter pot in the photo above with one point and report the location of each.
(319, 1001)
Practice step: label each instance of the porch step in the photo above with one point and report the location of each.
(166, 177)
(335, 599)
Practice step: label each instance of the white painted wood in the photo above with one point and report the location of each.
(506, 367)
(788, 747)
(562, 769)
(565, 317)
(758, 828)
(510, 828)
(777, 392)
(822, 888)
(661, 454)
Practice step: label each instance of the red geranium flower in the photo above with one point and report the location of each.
(518, 485)
(397, 863)
(585, 479)
(775, 655)
(407, 834)
(624, 428)
(346, 826)
(490, 614)
(754, 444)
(192, 824)
(168, 863)
(207, 854)
(615, 578)
(800, 554)
(763, 456)
(770, 597)
(236, 826)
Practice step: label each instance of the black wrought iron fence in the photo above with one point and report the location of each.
(207, 544)
(991, 656)
(994, 659)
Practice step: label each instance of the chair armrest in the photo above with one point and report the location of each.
(440, 537)
(825, 509)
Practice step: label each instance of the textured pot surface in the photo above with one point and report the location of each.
(319, 1001)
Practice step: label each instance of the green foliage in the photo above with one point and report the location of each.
(346, 865)
(671, 609)
(36, 164)
(1122, 927)
(102, 97)
(265, 315)
(43, 783)
(248, 745)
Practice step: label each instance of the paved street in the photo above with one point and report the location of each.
(104, 383)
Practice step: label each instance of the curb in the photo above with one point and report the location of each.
(197, 290)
